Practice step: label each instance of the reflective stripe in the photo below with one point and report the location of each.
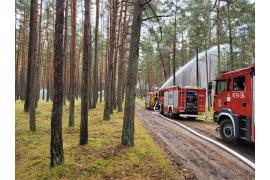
(230, 116)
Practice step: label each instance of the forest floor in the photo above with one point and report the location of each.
(203, 159)
(208, 127)
(102, 158)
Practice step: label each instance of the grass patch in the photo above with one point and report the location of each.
(102, 158)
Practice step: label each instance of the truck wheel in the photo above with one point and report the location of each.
(226, 131)
(171, 113)
(161, 109)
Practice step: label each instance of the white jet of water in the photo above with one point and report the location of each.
(186, 75)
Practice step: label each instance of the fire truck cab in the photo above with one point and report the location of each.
(150, 100)
(234, 105)
(182, 101)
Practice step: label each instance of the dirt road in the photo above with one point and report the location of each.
(203, 159)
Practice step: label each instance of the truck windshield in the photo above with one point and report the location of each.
(221, 86)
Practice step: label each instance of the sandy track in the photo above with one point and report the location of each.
(204, 159)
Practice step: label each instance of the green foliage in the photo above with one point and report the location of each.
(196, 28)
(103, 157)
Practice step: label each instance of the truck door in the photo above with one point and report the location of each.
(221, 95)
(239, 100)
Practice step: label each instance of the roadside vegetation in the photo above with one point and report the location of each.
(102, 157)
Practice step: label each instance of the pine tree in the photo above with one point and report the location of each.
(128, 122)
(84, 87)
(72, 63)
(57, 153)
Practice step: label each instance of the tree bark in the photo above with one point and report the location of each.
(197, 67)
(161, 57)
(174, 43)
(121, 62)
(65, 52)
(128, 121)
(57, 153)
(72, 64)
(95, 75)
(218, 35)
(108, 100)
(84, 86)
(32, 62)
(230, 37)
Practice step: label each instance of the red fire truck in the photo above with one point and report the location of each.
(182, 101)
(234, 105)
(150, 100)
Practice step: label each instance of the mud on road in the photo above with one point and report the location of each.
(199, 158)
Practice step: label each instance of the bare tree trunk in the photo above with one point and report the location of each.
(18, 50)
(72, 64)
(39, 54)
(174, 43)
(107, 108)
(57, 152)
(197, 67)
(218, 34)
(128, 121)
(90, 95)
(23, 57)
(47, 53)
(101, 62)
(95, 75)
(121, 62)
(230, 37)
(84, 87)
(161, 57)
(65, 52)
(32, 60)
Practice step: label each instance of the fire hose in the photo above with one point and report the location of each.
(234, 153)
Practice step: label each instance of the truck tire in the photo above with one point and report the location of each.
(161, 109)
(226, 131)
(171, 113)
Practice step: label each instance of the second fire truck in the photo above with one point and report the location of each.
(182, 101)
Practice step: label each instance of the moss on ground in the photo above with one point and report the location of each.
(102, 158)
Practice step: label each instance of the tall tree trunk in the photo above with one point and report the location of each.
(174, 44)
(218, 34)
(161, 57)
(84, 86)
(128, 121)
(90, 95)
(65, 52)
(23, 57)
(95, 75)
(47, 52)
(39, 54)
(108, 102)
(121, 62)
(32, 60)
(101, 62)
(230, 37)
(72, 63)
(197, 67)
(114, 92)
(18, 50)
(57, 153)
(107, 58)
